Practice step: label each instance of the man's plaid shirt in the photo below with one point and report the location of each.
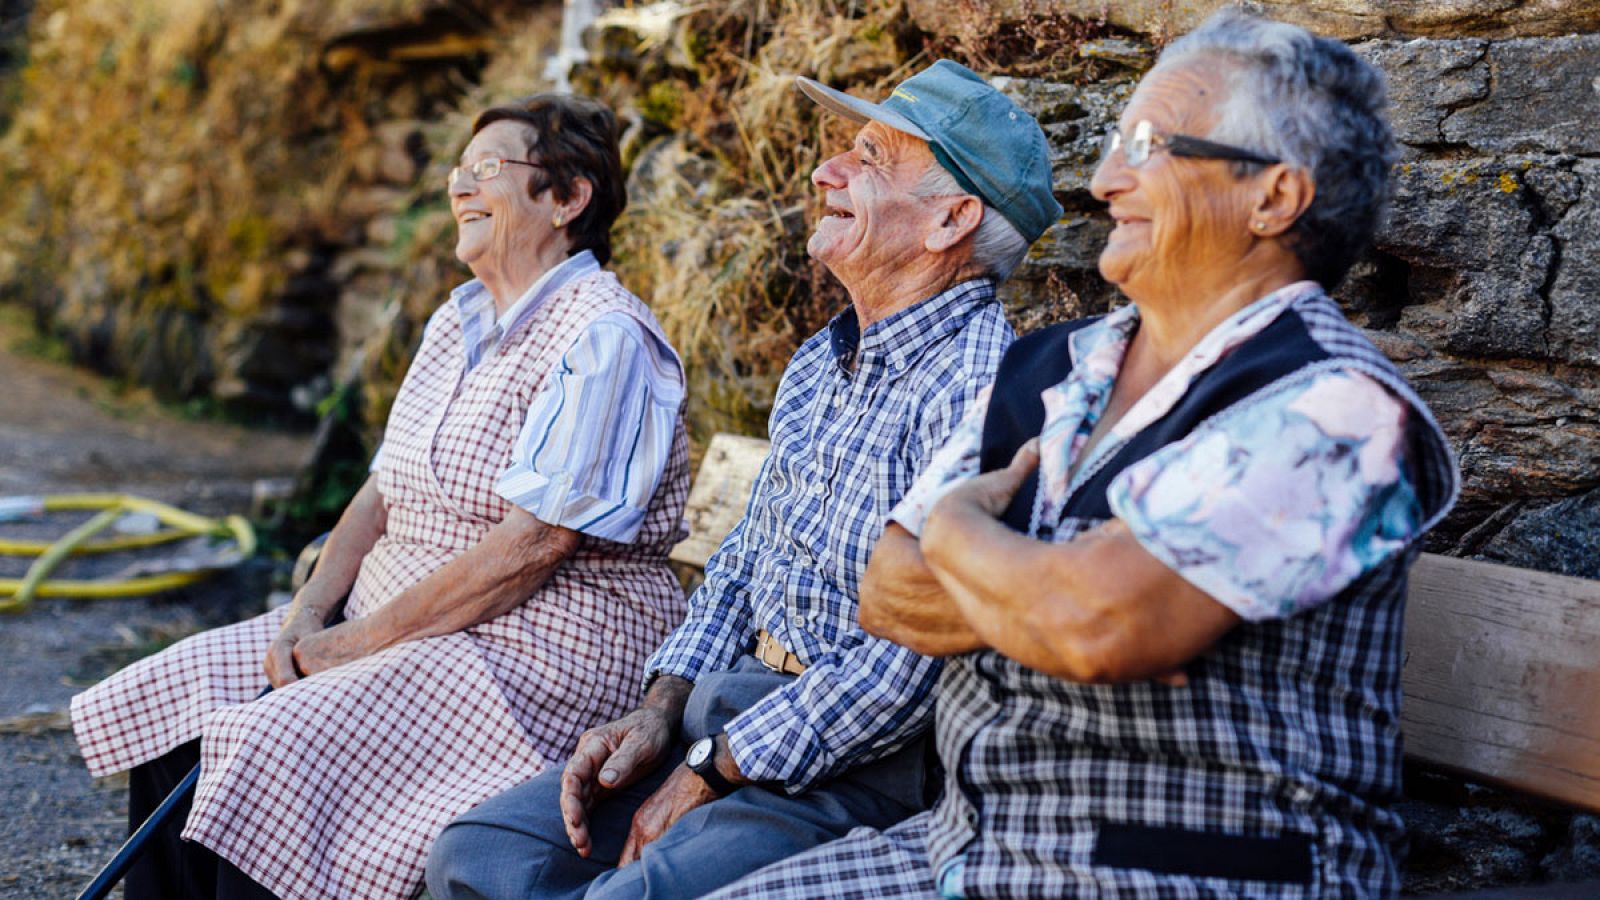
(846, 444)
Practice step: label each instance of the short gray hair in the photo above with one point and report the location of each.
(1313, 103)
(997, 246)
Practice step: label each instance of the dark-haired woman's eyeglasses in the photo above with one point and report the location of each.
(1146, 140)
(485, 169)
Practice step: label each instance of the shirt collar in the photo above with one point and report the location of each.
(896, 341)
(475, 305)
(1097, 351)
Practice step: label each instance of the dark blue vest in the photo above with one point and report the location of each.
(1042, 359)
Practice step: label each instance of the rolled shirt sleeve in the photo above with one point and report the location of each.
(598, 434)
(1279, 504)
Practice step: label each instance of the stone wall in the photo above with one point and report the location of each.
(1349, 20)
(1485, 282)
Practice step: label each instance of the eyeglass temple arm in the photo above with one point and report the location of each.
(1183, 145)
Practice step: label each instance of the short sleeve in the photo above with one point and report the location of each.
(1281, 503)
(600, 432)
(952, 464)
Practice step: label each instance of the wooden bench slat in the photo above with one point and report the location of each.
(720, 493)
(1502, 676)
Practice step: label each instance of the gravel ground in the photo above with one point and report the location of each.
(64, 431)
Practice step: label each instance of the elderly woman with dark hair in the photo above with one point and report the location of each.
(505, 564)
(1168, 553)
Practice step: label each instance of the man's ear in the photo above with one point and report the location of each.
(961, 217)
(1286, 192)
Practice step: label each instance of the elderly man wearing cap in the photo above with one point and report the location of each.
(771, 722)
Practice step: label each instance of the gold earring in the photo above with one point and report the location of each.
(555, 220)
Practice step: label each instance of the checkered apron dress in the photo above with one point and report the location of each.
(336, 785)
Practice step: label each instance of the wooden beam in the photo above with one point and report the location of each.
(1502, 676)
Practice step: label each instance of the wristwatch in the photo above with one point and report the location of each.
(702, 761)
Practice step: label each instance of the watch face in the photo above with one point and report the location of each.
(699, 752)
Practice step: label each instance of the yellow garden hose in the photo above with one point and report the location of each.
(16, 594)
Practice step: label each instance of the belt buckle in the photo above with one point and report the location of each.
(765, 643)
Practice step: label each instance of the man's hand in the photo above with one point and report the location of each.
(680, 794)
(330, 647)
(991, 492)
(610, 757)
(279, 661)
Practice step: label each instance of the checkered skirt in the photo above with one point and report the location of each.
(336, 785)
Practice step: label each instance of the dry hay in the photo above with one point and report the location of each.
(721, 147)
(720, 197)
(171, 156)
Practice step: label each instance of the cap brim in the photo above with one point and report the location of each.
(856, 109)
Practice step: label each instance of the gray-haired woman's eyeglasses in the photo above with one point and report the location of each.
(485, 169)
(1146, 140)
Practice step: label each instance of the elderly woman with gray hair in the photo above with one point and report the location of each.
(1167, 555)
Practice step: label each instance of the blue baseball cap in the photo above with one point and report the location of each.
(993, 147)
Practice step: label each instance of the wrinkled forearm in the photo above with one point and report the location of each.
(362, 523)
(903, 601)
(491, 578)
(669, 694)
(1097, 609)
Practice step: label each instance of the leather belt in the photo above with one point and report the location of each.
(775, 656)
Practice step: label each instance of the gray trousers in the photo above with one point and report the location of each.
(515, 845)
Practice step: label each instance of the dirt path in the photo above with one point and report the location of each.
(64, 430)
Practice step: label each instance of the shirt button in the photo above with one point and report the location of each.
(972, 818)
(838, 400)
(817, 488)
(798, 620)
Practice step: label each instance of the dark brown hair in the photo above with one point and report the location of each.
(575, 137)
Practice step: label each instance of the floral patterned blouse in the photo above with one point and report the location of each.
(1271, 508)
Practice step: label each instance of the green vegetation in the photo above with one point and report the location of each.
(29, 340)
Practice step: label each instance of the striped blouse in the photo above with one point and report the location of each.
(599, 432)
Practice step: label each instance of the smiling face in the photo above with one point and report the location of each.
(498, 223)
(875, 223)
(1179, 221)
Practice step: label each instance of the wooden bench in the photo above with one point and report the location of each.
(1502, 665)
